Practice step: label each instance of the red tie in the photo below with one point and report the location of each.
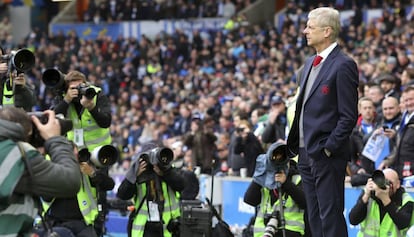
(317, 60)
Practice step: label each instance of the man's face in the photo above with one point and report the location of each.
(375, 95)
(367, 110)
(409, 101)
(390, 108)
(387, 86)
(314, 33)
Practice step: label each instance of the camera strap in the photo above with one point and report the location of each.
(45, 224)
(134, 214)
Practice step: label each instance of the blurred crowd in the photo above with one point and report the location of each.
(129, 10)
(210, 95)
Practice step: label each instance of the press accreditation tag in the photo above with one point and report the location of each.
(154, 214)
(78, 139)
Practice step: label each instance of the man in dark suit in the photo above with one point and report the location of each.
(326, 112)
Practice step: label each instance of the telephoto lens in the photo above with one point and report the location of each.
(271, 227)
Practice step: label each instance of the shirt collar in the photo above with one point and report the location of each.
(325, 53)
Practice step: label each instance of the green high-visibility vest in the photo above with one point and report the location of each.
(294, 216)
(171, 209)
(372, 226)
(87, 200)
(8, 96)
(93, 135)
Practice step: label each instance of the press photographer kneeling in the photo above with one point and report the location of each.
(154, 185)
(277, 193)
(80, 213)
(384, 208)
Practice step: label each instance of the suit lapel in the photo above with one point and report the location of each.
(327, 64)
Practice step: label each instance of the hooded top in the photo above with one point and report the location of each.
(265, 170)
(11, 130)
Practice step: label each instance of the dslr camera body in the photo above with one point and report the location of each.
(160, 156)
(272, 223)
(36, 139)
(55, 79)
(380, 180)
(86, 90)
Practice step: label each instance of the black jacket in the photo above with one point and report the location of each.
(101, 113)
(401, 217)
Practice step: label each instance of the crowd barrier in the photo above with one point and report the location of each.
(228, 195)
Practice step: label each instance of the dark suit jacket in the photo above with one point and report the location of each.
(331, 110)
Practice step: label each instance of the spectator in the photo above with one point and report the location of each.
(235, 160)
(389, 85)
(201, 142)
(376, 94)
(248, 146)
(275, 130)
(361, 167)
(229, 9)
(401, 158)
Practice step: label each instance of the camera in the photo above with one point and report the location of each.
(36, 139)
(22, 60)
(87, 91)
(239, 130)
(272, 224)
(55, 79)
(160, 156)
(278, 159)
(379, 179)
(102, 156)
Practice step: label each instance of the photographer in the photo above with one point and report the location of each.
(155, 189)
(247, 146)
(79, 212)
(89, 110)
(274, 181)
(14, 90)
(384, 208)
(29, 172)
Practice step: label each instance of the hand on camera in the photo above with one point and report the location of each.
(369, 187)
(3, 68)
(20, 80)
(71, 93)
(158, 171)
(87, 169)
(89, 104)
(51, 128)
(383, 194)
(280, 177)
(142, 167)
